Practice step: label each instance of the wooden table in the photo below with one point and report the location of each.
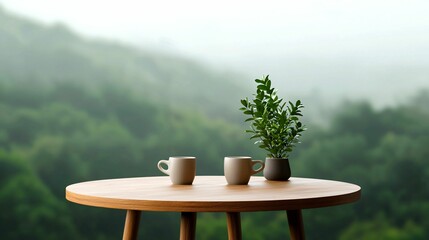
(212, 194)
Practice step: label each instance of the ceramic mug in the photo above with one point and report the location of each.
(180, 169)
(239, 169)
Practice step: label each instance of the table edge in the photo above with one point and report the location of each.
(167, 206)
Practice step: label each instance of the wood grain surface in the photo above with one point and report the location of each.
(212, 194)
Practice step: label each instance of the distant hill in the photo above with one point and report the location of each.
(37, 54)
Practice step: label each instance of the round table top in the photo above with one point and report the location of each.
(212, 194)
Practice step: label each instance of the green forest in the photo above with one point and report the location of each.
(73, 109)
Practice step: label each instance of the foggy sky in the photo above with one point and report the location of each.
(331, 46)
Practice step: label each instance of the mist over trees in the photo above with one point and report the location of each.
(73, 109)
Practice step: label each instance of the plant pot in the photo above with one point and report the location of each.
(277, 169)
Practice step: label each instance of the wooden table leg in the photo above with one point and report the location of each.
(131, 228)
(188, 223)
(296, 224)
(234, 225)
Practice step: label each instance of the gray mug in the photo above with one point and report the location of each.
(239, 169)
(181, 170)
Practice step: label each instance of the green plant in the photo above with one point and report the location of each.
(275, 124)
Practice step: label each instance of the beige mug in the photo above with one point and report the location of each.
(239, 169)
(180, 169)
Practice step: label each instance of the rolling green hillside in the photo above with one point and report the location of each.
(37, 54)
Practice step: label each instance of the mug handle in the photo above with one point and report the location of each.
(166, 162)
(254, 162)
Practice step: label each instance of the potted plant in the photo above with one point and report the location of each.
(276, 125)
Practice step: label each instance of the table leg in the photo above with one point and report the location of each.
(296, 224)
(131, 228)
(188, 223)
(234, 225)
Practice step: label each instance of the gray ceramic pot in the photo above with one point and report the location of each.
(277, 169)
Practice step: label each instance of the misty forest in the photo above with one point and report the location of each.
(74, 109)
